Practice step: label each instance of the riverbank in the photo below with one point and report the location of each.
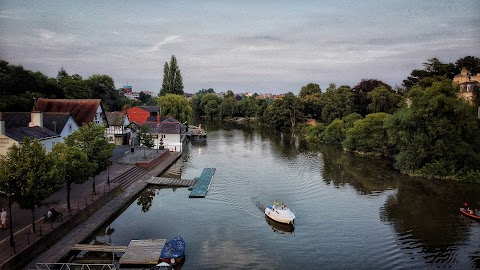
(118, 185)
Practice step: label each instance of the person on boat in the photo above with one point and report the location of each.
(283, 205)
(275, 204)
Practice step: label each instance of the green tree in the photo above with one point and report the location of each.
(145, 139)
(30, 174)
(334, 133)
(368, 135)
(73, 165)
(361, 91)
(172, 79)
(228, 107)
(92, 140)
(310, 96)
(383, 100)
(103, 87)
(175, 106)
(144, 97)
(309, 89)
(284, 113)
(210, 104)
(471, 63)
(438, 135)
(337, 103)
(248, 107)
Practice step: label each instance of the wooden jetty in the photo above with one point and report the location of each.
(171, 182)
(202, 185)
(100, 248)
(143, 252)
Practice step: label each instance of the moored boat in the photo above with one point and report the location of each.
(280, 214)
(163, 266)
(470, 214)
(174, 251)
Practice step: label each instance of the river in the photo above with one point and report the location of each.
(351, 212)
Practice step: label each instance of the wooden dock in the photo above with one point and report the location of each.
(202, 185)
(100, 248)
(171, 182)
(143, 252)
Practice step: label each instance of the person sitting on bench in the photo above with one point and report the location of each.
(52, 214)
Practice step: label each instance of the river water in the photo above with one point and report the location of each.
(351, 212)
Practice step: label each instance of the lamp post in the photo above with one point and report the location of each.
(12, 242)
(108, 172)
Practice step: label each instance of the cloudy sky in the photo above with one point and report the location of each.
(257, 46)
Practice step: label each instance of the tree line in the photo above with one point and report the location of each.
(408, 123)
(423, 125)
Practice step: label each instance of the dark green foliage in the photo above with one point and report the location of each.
(362, 90)
(172, 79)
(381, 99)
(351, 119)
(29, 174)
(103, 87)
(470, 63)
(368, 135)
(92, 140)
(210, 105)
(438, 135)
(73, 166)
(334, 133)
(313, 133)
(337, 103)
(284, 114)
(175, 106)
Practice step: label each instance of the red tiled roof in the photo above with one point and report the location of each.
(82, 110)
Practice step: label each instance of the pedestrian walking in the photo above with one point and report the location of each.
(3, 219)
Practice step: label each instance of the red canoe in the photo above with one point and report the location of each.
(474, 216)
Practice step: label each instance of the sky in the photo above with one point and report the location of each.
(244, 46)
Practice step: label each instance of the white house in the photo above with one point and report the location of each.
(11, 134)
(167, 134)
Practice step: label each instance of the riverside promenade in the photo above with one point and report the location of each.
(115, 187)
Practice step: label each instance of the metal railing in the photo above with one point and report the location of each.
(74, 266)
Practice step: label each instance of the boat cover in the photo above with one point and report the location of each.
(174, 248)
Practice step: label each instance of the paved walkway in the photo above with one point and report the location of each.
(81, 196)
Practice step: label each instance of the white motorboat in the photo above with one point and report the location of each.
(280, 214)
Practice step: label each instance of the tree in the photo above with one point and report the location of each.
(337, 103)
(470, 63)
(73, 164)
(144, 97)
(175, 106)
(361, 91)
(284, 113)
(103, 87)
(30, 175)
(145, 139)
(92, 140)
(383, 100)
(368, 135)
(438, 135)
(433, 68)
(334, 133)
(172, 79)
(210, 104)
(309, 89)
(310, 96)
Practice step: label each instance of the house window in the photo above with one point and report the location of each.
(70, 127)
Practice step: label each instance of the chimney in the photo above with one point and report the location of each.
(37, 119)
(2, 124)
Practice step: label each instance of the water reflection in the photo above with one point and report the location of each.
(281, 228)
(426, 212)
